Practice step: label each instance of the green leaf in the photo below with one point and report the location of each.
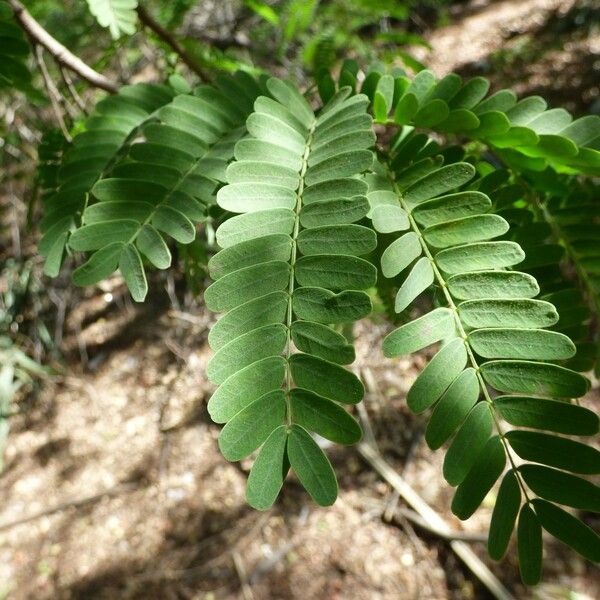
(501, 101)
(271, 129)
(451, 206)
(388, 218)
(335, 272)
(400, 253)
(246, 284)
(352, 240)
(276, 247)
(539, 379)
(334, 212)
(406, 109)
(98, 235)
(264, 310)
(324, 306)
(345, 164)
(479, 256)
(534, 344)
(384, 95)
(334, 190)
(551, 415)
(249, 428)
(324, 417)
(254, 197)
(439, 182)
(246, 386)
(526, 110)
(431, 113)
(561, 487)
(54, 256)
(311, 466)
(504, 516)
(100, 265)
(468, 443)
(508, 313)
(493, 285)
(152, 245)
(255, 225)
(173, 223)
(416, 335)
(326, 379)
(351, 141)
(263, 10)
(452, 409)
(249, 149)
(480, 479)
(459, 120)
(322, 341)
(130, 265)
(529, 540)
(259, 343)
(418, 280)
(568, 529)
(247, 171)
(471, 93)
(555, 451)
(119, 16)
(437, 376)
(466, 230)
(268, 471)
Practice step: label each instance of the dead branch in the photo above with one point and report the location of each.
(434, 522)
(39, 36)
(170, 40)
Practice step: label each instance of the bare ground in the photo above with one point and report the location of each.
(166, 517)
(113, 484)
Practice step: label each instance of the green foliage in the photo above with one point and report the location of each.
(302, 212)
(164, 186)
(108, 132)
(524, 133)
(118, 16)
(14, 53)
(281, 284)
(511, 352)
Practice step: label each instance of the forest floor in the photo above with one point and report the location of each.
(113, 485)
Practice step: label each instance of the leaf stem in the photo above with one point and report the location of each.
(289, 315)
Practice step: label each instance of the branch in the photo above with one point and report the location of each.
(434, 521)
(53, 93)
(39, 36)
(170, 40)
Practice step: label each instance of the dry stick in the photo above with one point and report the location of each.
(434, 521)
(421, 523)
(39, 36)
(240, 569)
(171, 40)
(52, 91)
(69, 83)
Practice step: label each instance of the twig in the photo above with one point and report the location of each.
(53, 93)
(170, 40)
(417, 520)
(39, 36)
(242, 575)
(126, 487)
(434, 521)
(74, 94)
